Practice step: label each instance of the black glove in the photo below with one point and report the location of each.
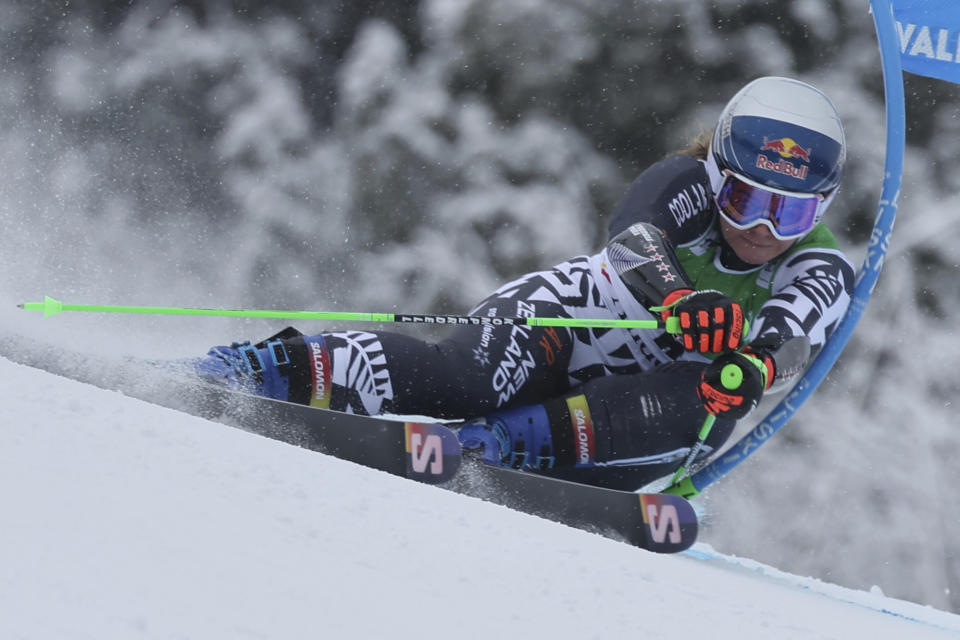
(732, 385)
(710, 322)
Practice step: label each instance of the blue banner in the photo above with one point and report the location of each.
(929, 37)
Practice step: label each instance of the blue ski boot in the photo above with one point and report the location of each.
(261, 368)
(518, 438)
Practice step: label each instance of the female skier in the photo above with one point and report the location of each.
(725, 236)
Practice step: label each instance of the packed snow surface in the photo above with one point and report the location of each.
(122, 519)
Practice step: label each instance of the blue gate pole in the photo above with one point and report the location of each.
(866, 277)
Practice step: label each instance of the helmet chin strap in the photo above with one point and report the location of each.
(713, 171)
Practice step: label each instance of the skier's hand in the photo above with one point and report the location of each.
(710, 322)
(732, 385)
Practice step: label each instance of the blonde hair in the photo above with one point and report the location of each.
(698, 146)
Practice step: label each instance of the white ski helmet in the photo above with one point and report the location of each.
(777, 156)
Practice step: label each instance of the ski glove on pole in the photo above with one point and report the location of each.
(710, 322)
(731, 386)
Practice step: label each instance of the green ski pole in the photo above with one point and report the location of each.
(731, 377)
(51, 307)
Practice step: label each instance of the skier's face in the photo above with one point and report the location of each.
(755, 245)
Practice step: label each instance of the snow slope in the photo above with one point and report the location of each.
(121, 519)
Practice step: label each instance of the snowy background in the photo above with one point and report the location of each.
(409, 156)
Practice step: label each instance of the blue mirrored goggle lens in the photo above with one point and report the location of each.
(747, 205)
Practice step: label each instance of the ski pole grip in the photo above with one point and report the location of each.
(672, 325)
(731, 376)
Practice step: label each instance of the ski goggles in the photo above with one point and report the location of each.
(746, 204)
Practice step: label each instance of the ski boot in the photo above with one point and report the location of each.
(253, 368)
(518, 438)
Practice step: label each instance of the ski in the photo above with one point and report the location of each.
(427, 452)
(657, 522)
(423, 451)
(430, 452)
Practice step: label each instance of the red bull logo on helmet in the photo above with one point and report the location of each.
(787, 149)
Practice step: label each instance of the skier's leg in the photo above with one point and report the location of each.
(255, 368)
(352, 371)
(476, 370)
(619, 431)
(479, 368)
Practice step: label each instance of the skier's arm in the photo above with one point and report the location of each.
(672, 195)
(810, 299)
(811, 295)
(644, 258)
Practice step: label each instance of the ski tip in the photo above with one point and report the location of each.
(669, 522)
